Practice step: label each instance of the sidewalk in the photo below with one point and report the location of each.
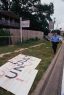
(50, 83)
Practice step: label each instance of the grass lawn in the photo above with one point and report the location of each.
(44, 52)
(11, 48)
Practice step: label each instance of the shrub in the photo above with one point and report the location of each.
(4, 37)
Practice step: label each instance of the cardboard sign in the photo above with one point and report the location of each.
(18, 85)
(25, 61)
(18, 74)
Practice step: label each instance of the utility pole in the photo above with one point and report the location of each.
(54, 22)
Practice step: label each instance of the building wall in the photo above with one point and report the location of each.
(26, 34)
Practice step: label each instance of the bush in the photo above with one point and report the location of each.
(4, 37)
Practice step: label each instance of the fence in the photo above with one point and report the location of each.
(26, 34)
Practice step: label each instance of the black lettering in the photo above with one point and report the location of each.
(19, 68)
(23, 61)
(10, 77)
(12, 62)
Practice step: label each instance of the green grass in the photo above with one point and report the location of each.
(44, 52)
(11, 48)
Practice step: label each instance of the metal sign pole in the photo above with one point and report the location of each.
(25, 23)
(21, 29)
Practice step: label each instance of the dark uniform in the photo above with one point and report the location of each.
(55, 40)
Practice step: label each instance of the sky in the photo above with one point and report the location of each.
(58, 12)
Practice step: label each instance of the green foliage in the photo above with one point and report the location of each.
(4, 32)
(39, 14)
(4, 4)
(16, 6)
(4, 37)
(33, 9)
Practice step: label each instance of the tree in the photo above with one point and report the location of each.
(4, 37)
(16, 6)
(39, 14)
(21, 7)
(43, 15)
(5, 4)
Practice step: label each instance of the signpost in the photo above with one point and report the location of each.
(21, 29)
(25, 23)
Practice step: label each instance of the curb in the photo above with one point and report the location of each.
(42, 83)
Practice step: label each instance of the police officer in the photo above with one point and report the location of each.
(55, 39)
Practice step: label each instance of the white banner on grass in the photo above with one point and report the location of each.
(18, 74)
(25, 61)
(19, 85)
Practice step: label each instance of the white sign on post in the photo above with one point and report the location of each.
(25, 23)
(18, 74)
